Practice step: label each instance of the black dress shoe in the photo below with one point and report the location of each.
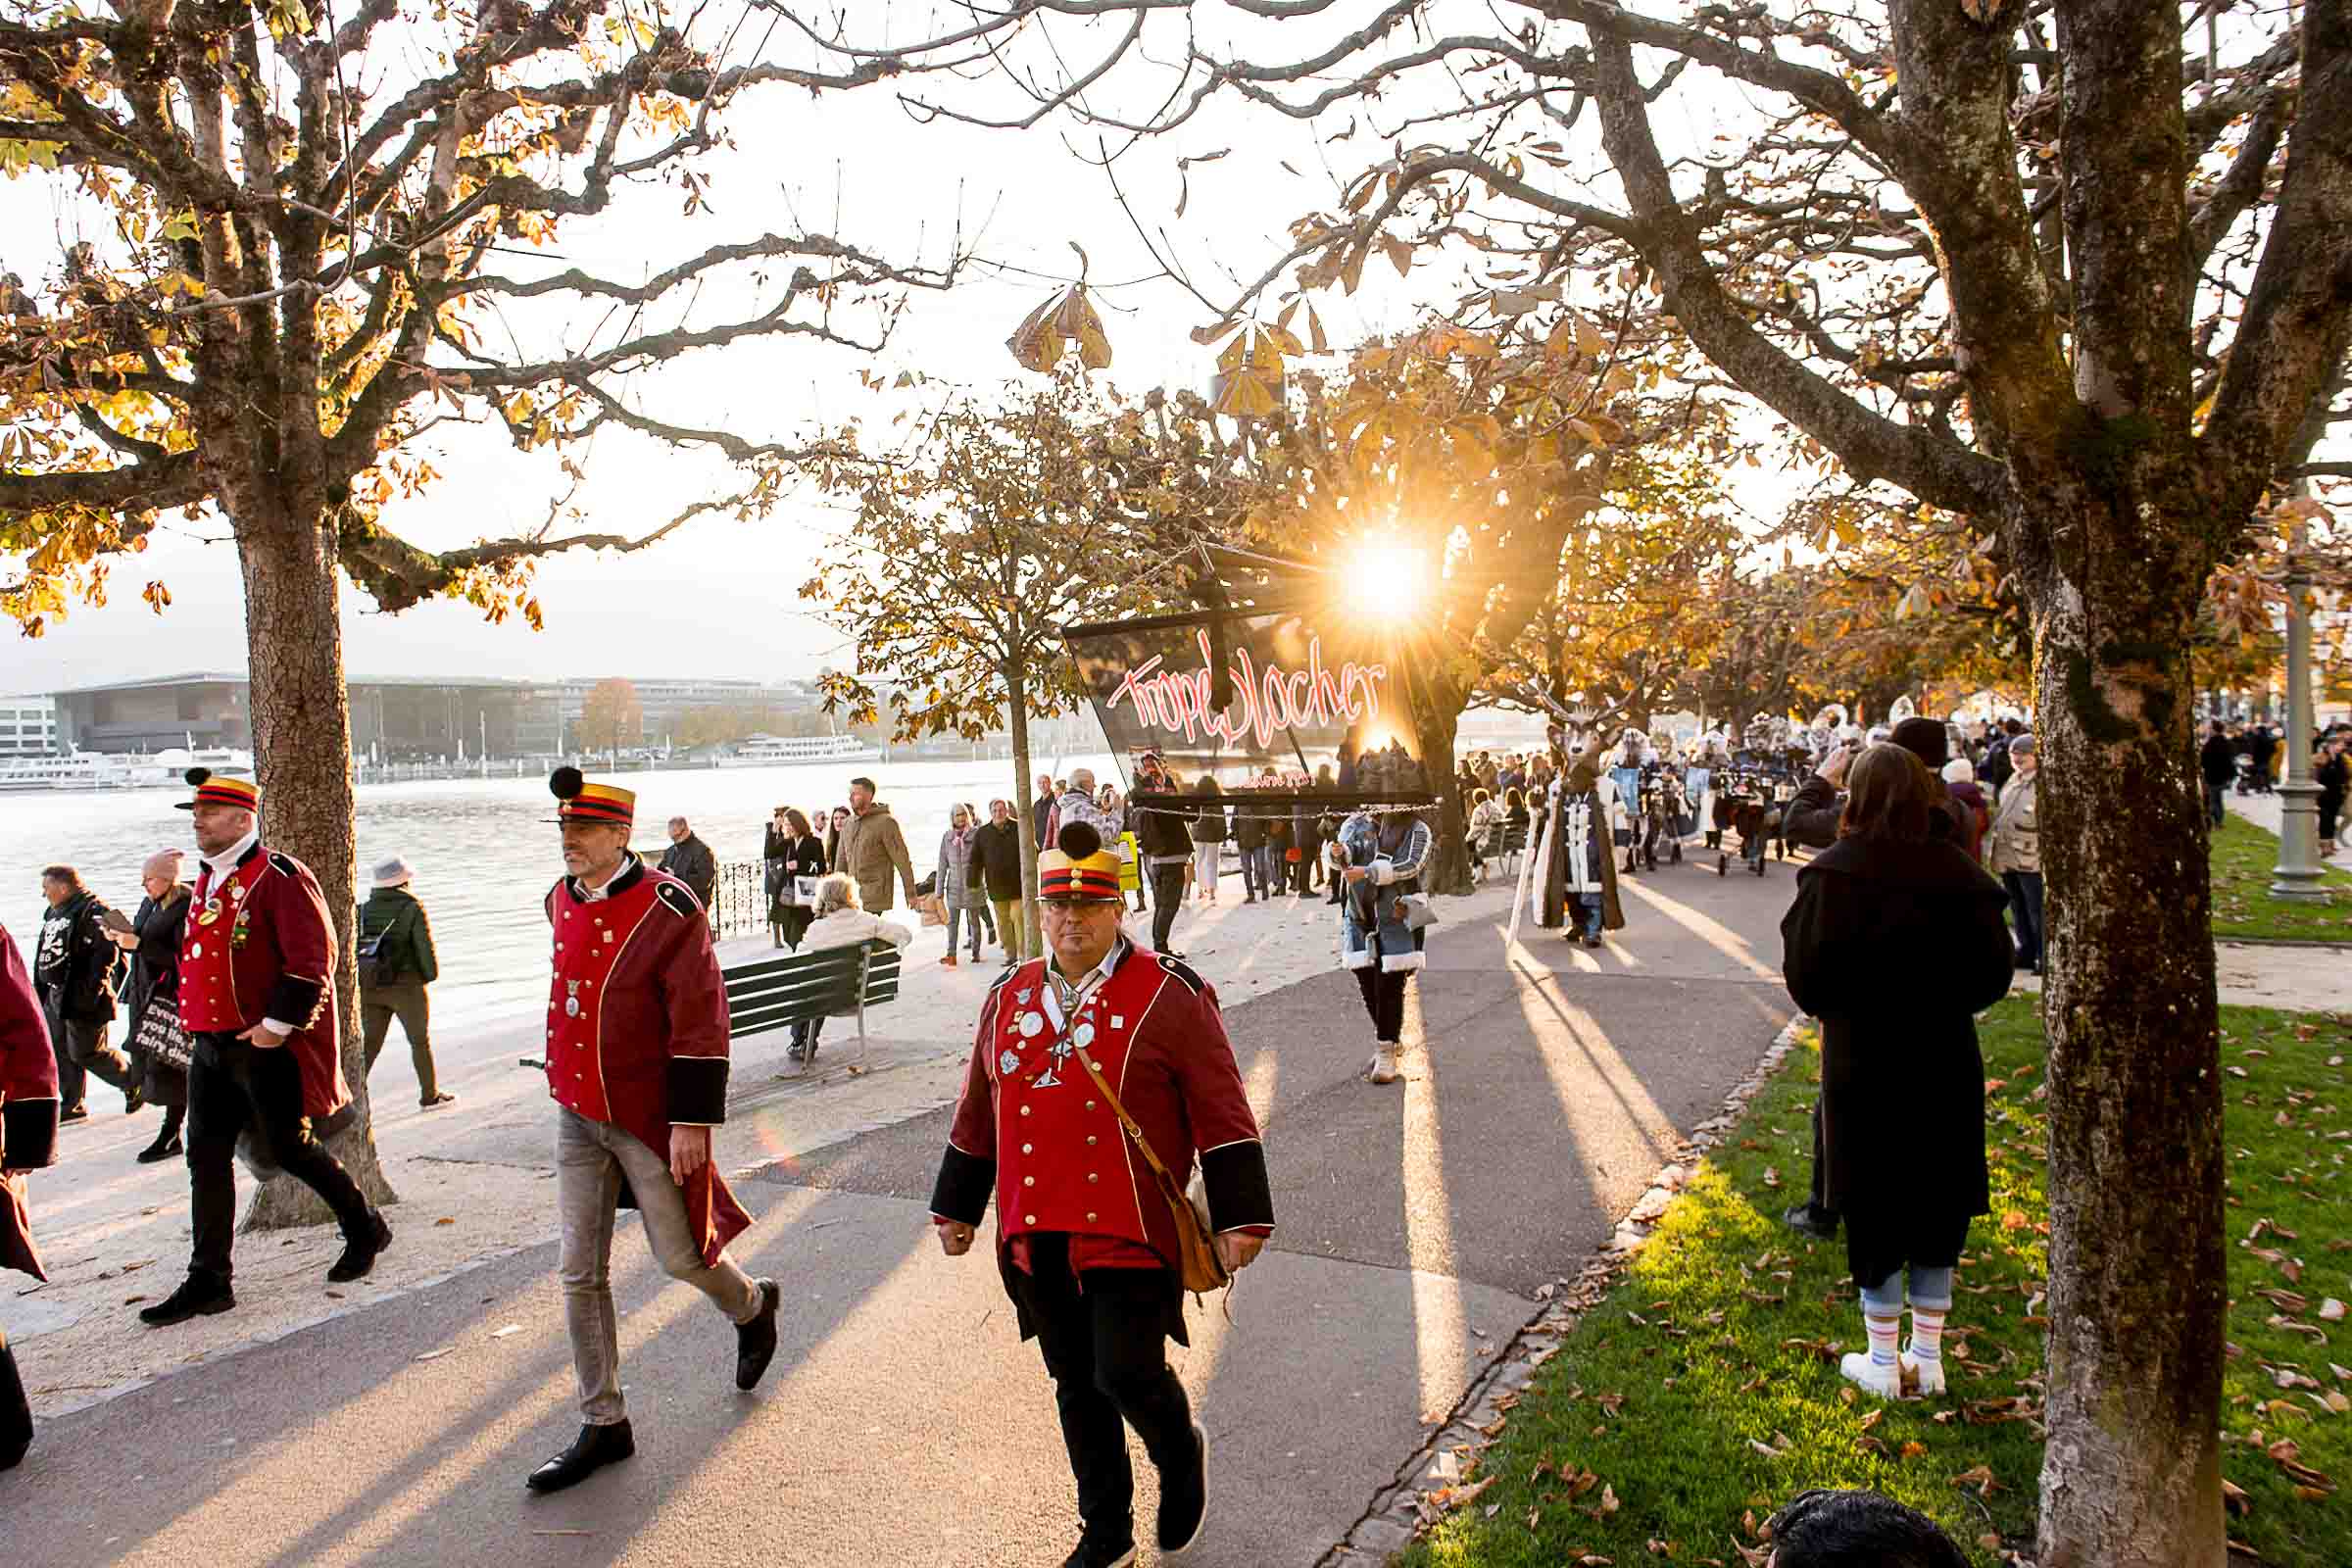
(755, 1341)
(593, 1450)
(1093, 1553)
(132, 1100)
(197, 1293)
(1184, 1499)
(1812, 1223)
(161, 1149)
(359, 1253)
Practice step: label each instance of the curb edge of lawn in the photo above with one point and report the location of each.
(1388, 1523)
(2221, 940)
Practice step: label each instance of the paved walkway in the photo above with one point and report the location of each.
(904, 1422)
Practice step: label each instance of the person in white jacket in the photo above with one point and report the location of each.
(1592, 812)
(841, 922)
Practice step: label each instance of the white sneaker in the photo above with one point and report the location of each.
(1887, 1382)
(1927, 1374)
(1383, 1069)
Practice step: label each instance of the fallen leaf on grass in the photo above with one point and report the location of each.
(1874, 1418)
(2332, 1310)
(1611, 1402)
(1772, 1176)
(1979, 1477)
(1461, 1497)
(1911, 1450)
(2234, 1501)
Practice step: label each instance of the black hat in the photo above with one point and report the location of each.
(1924, 739)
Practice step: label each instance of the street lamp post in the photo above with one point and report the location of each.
(2298, 873)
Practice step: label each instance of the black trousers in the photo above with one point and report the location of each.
(1167, 896)
(1104, 1341)
(234, 1085)
(1383, 999)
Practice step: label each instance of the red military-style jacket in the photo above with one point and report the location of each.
(637, 1025)
(28, 1106)
(1033, 1130)
(258, 944)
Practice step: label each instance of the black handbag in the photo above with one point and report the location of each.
(159, 1037)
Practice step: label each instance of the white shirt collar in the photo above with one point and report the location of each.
(220, 865)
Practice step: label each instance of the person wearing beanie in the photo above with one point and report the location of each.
(2014, 853)
(1083, 1061)
(1960, 782)
(1894, 942)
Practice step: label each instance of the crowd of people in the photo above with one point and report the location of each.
(1926, 842)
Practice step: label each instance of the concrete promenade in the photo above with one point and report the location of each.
(393, 1422)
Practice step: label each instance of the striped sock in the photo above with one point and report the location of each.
(1927, 1334)
(1883, 1333)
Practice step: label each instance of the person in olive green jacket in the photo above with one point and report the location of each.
(396, 965)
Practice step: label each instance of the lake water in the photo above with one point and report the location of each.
(484, 852)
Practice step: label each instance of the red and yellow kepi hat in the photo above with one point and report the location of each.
(1079, 870)
(218, 789)
(584, 802)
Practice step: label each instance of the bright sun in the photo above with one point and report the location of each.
(1395, 576)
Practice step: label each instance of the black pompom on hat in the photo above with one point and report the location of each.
(565, 783)
(1080, 841)
(197, 776)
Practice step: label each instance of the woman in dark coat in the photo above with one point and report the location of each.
(1896, 942)
(153, 943)
(799, 853)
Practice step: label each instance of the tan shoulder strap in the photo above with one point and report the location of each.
(1087, 1060)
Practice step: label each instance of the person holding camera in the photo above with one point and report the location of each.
(2329, 770)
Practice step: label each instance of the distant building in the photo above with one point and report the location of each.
(27, 726)
(664, 701)
(393, 717)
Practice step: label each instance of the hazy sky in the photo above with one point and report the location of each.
(721, 598)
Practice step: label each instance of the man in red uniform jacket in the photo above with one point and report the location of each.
(1085, 1240)
(27, 1142)
(257, 998)
(637, 1065)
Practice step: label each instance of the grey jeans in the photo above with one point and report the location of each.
(591, 1158)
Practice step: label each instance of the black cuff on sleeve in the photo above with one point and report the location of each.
(965, 1183)
(28, 1134)
(697, 1091)
(1239, 1191)
(294, 1001)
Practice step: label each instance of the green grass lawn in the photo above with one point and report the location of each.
(2243, 858)
(1703, 1390)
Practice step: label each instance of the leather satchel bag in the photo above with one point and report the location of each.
(1200, 1266)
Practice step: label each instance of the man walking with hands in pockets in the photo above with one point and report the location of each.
(1086, 1245)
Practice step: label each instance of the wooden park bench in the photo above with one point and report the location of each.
(776, 992)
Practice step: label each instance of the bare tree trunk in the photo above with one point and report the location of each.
(1449, 857)
(1016, 687)
(302, 751)
(2132, 1473)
